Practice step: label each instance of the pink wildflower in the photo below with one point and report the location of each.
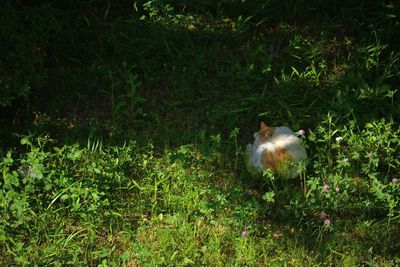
(244, 233)
(322, 214)
(337, 189)
(301, 132)
(327, 222)
(394, 180)
(326, 187)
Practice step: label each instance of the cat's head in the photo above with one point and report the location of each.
(264, 133)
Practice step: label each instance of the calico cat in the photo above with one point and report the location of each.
(277, 149)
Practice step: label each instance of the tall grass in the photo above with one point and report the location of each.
(125, 125)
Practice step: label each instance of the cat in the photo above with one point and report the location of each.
(277, 149)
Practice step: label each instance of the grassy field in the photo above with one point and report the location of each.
(124, 125)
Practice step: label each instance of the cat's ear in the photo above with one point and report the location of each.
(262, 125)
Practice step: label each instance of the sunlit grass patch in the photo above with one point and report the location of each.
(186, 206)
(173, 238)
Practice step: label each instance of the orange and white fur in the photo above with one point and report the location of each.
(275, 148)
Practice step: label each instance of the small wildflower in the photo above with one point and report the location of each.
(345, 160)
(338, 139)
(244, 233)
(337, 189)
(370, 155)
(277, 234)
(327, 222)
(322, 214)
(326, 187)
(394, 180)
(301, 132)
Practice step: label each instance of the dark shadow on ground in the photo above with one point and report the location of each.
(105, 73)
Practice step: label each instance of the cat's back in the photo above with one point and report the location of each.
(284, 136)
(283, 130)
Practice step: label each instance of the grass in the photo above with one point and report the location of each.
(125, 126)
